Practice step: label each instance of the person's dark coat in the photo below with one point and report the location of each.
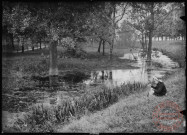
(160, 89)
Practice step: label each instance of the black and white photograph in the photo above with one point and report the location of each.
(93, 67)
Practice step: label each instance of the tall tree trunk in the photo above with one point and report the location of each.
(111, 48)
(53, 69)
(27, 45)
(146, 45)
(12, 39)
(103, 47)
(113, 31)
(142, 43)
(102, 77)
(145, 42)
(110, 75)
(18, 42)
(22, 47)
(158, 38)
(150, 34)
(45, 43)
(162, 38)
(99, 48)
(40, 44)
(149, 46)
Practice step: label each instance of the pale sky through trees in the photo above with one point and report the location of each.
(168, 7)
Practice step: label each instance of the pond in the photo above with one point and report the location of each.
(74, 84)
(112, 78)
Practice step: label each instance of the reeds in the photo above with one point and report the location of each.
(41, 118)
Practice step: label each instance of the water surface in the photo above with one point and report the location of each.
(75, 84)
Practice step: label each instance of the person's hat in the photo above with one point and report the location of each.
(155, 78)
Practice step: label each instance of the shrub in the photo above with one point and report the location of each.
(39, 119)
(157, 64)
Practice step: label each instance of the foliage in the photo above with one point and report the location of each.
(172, 26)
(68, 43)
(72, 48)
(146, 17)
(127, 35)
(42, 118)
(103, 21)
(38, 120)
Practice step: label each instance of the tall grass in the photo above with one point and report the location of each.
(43, 118)
(172, 49)
(180, 57)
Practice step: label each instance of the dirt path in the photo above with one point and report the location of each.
(132, 114)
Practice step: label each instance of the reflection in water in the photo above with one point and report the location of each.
(156, 57)
(109, 78)
(117, 77)
(113, 78)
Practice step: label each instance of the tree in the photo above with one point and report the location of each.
(115, 19)
(138, 19)
(127, 35)
(99, 23)
(60, 20)
(7, 25)
(54, 20)
(171, 25)
(104, 21)
(154, 18)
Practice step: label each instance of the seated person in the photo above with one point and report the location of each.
(158, 87)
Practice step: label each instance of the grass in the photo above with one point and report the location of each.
(93, 60)
(134, 113)
(18, 68)
(131, 114)
(43, 118)
(40, 119)
(174, 50)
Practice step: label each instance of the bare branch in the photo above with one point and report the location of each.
(122, 13)
(132, 25)
(164, 19)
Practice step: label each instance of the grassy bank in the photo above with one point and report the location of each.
(132, 114)
(175, 50)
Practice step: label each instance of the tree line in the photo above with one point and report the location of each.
(67, 23)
